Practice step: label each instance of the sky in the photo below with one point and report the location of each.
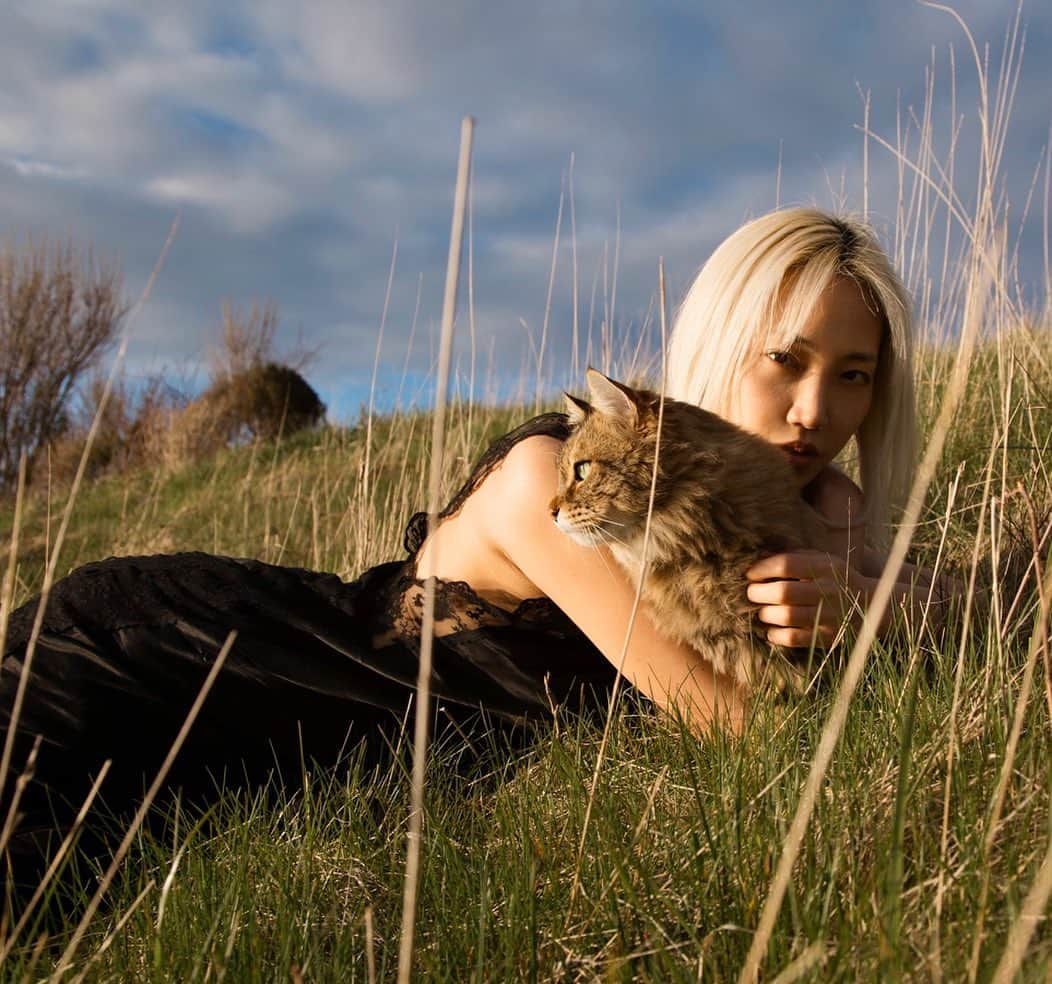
(309, 151)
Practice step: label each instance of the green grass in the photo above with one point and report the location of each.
(685, 831)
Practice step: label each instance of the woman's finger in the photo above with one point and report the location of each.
(788, 616)
(797, 564)
(800, 638)
(794, 593)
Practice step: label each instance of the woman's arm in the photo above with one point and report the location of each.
(809, 594)
(594, 592)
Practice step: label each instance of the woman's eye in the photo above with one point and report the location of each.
(782, 358)
(858, 376)
(581, 470)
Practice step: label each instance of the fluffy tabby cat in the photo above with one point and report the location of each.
(724, 498)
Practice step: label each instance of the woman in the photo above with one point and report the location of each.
(796, 328)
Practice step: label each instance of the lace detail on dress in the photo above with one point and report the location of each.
(459, 608)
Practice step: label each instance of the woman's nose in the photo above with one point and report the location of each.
(809, 407)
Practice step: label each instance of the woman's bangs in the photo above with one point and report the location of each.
(802, 288)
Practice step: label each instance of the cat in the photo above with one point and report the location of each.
(724, 498)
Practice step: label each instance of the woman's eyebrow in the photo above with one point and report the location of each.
(805, 343)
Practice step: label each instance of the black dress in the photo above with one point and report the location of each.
(320, 667)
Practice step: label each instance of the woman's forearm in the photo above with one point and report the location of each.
(917, 595)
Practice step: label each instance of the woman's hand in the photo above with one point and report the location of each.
(810, 594)
(806, 595)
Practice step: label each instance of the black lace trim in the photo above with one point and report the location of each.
(555, 425)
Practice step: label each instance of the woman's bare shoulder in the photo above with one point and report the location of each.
(836, 497)
(841, 505)
(525, 480)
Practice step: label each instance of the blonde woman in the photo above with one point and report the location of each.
(744, 346)
(797, 328)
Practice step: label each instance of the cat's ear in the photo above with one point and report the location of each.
(576, 409)
(610, 397)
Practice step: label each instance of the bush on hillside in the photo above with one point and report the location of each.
(258, 403)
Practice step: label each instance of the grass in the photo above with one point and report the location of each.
(685, 831)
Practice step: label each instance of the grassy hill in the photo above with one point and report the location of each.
(927, 836)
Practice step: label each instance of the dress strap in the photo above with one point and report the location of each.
(555, 425)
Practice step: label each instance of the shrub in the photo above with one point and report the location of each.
(59, 311)
(259, 402)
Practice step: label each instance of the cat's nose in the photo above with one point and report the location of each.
(553, 508)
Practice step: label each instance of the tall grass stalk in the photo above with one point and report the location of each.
(143, 810)
(615, 688)
(423, 681)
(951, 739)
(1038, 640)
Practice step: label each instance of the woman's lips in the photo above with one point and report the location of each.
(800, 454)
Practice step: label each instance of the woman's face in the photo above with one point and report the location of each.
(811, 397)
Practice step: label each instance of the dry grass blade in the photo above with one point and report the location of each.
(814, 956)
(640, 828)
(23, 780)
(423, 685)
(366, 472)
(1023, 928)
(370, 946)
(169, 881)
(8, 589)
(539, 391)
(151, 794)
(944, 838)
(1038, 641)
(113, 933)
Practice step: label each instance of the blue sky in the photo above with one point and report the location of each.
(300, 142)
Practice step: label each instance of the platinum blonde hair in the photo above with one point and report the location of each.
(756, 292)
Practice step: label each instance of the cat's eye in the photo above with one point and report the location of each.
(581, 470)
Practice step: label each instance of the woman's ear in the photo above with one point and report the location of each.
(576, 409)
(610, 397)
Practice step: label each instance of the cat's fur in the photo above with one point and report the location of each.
(724, 498)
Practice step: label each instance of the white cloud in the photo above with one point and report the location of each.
(249, 203)
(365, 51)
(43, 169)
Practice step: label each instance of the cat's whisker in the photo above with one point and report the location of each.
(598, 534)
(602, 556)
(595, 536)
(611, 536)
